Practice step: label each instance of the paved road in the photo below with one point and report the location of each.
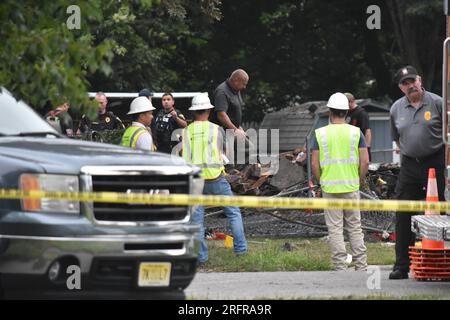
(311, 284)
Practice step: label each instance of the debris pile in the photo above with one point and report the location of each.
(251, 180)
(291, 181)
(298, 156)
(382, 179)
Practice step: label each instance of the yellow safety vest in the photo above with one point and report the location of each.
(131, 136)
(202, 147)
(339, 157)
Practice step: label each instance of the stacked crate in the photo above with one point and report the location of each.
(430, 264)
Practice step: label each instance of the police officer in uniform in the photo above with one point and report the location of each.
(416, 128)
(167, 120)
(203, 146)
(106, 120)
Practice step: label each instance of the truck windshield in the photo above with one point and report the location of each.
(17, 118)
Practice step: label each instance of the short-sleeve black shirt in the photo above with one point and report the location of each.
(163, 125)
(358, 117)
(228, 100)
(106, 121)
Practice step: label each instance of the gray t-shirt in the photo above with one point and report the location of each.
(418, 130)
(228, 100)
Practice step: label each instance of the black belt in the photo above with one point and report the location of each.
(426, 158)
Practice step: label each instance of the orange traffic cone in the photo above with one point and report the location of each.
(432, 196)
(432, 190)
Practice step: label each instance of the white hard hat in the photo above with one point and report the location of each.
(201, 102)
(140, 104)
(338, 101)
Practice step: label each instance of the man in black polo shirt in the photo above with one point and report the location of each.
(416, 127)
(228, 103)
(358, 117)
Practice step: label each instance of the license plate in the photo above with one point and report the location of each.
(154, 274)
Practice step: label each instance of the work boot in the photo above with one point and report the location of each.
(398, 274)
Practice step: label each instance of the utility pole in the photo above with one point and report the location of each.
(445, 95)
(447, 13)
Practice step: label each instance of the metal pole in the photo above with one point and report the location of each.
(445, 87)
(308, 164)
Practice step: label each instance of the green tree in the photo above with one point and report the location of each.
(119, 46)
(152, 45)
(41, 59)
(298, 51)
(419, 29)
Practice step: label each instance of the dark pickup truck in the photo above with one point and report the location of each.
(119, 250)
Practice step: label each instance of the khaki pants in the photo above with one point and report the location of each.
(337, 221)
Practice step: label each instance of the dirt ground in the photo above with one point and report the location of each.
(263, 223)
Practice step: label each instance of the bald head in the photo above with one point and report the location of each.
(238, 79)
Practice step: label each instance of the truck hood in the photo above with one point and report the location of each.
(56, 155)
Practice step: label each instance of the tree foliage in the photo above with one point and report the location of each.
(41, 59)
(293, 50)
(297, 51)
(150, 43)
(120, 46)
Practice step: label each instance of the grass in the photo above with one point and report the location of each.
(272, 255)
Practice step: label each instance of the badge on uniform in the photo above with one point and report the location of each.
(107, 119)
(427, 115)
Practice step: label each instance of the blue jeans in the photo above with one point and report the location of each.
(221, 187)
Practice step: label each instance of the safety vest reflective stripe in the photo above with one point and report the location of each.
(339, 182)
(338, 161)
(201, 148)
(131, 136)
(185, 137)
(209, 155)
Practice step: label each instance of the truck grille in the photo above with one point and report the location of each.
(125, 212)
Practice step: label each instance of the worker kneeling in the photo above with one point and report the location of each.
(339, 162)
(202, 143)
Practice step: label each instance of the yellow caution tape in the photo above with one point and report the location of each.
(240, 201)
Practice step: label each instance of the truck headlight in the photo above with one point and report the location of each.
(50, 182)
(447, 234)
